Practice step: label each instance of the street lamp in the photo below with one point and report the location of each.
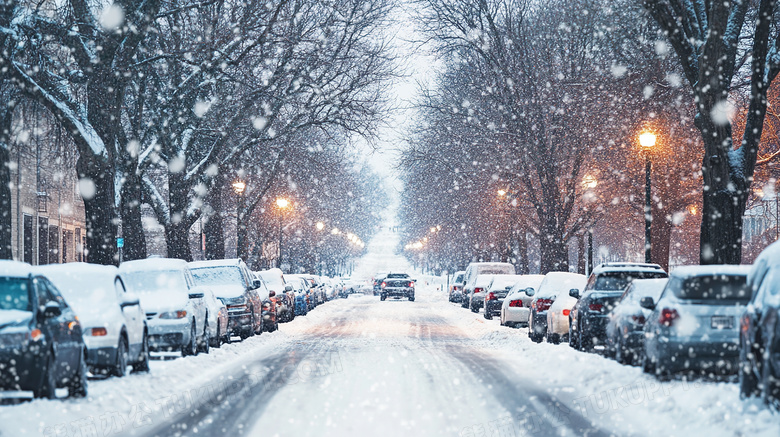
(239, 187)
(282, 203)
(502, 193)
(320, 226)
(647, 141)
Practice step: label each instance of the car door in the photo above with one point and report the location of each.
(69, 336)
(132, 314)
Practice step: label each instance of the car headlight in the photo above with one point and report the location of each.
(173, 315)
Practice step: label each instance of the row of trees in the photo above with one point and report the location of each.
(546, 103)
(168, 103)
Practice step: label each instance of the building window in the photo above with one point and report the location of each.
(43, 241)
(28, 239)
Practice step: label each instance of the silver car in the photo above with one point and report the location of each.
(694, 326)
(626, 325)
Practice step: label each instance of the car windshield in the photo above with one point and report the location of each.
(619, 280)
(15, 294)
(153, 281)
(217, 275)
(458, 279)
(726, 288)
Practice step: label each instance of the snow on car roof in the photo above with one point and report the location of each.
(626, 267)
(215, 263)
(484, 280)
(503, 281)
(711, 270)
(527, 281)
(153, 264)
(15, 269)
(555, 283)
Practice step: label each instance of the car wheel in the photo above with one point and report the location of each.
(120, 366)
(748, 382)
(48, 387)
(620, 355)
(648, 366)
(770, 383)
(77, 387)
(464, 303)
(205, 342)
(382, 296)
(142, 364)
(411, 298)
(216, 342)
(488, 316)
(191, 348)
(473, 308)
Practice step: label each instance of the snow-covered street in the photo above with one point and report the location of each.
(359, 366)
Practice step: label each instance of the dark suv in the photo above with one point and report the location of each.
(397, 285)
(589, 317)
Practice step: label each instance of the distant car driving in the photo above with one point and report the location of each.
(397, 285)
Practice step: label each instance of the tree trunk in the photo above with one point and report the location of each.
(177, 240)
(554, 253)
(522, 249)
(132, 225)
(101, 217)
(661, 233)
(6, 250)
(214, 226)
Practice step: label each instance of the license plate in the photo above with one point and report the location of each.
(722, 322)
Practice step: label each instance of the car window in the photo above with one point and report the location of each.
(46, 293)
(15, 294)
(713, 288)
(619, 280)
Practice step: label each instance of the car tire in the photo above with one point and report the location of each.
(411, 298)
(77, 387)
(488, 316)
(771, 385)
(191, 348)
(48, 387)
(464, 303)
(120, 365)
(648, 366)
(205, 342)
(473, 308)
(142, 364)
(382, 296)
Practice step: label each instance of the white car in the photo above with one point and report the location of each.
(516, 307)
(113, 322)
(175, 307)
(558, 317)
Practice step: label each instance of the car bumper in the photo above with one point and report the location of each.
(493, 307)
(398, 292)
(239, 323)
(558, 324)
(540, 322)
(101, 356)
(517, 315)
(21, 368)
(168, 334)
(594, 327)
(718, 356)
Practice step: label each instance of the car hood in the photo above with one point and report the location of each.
(161, 302)
(228, 291)
(14, 319)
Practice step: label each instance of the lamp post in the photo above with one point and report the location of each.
(647, 141)
(239, 187)
(589, 183)
(282, 203)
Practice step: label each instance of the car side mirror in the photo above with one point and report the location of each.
(575, 293)
(272, 294)
(257, 283)
(51, 309)
(130, 301)
(529, 291)
(196, 295)
(288, 287)
(647, 303)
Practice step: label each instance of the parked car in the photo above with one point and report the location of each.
(588, 319)
(479, 292)
(112, 319)
(456, 289)
(497, 290)
(693, 325)
(759, 343)
(298, 288)
(285, 296)
(174, 304)
(516, 308)
(558, 314)
(474, 270)
(626, 325)
(309, 290)
(377, 283)
(217, 319)
(553, 285)
(397, 285)
(238, 289)
(41, 342)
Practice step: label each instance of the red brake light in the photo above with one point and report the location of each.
(566, 312)
(478, 290)
(543, 304)
(491, 296)
(596, 307)
(384, 284)
(640, 320)
(516, 303)
(411, 284)
(668, 316)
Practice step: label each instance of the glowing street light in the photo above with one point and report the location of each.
(282, 202)
(647, 140)
(320, 226)
(239, 187)
(501, 193)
